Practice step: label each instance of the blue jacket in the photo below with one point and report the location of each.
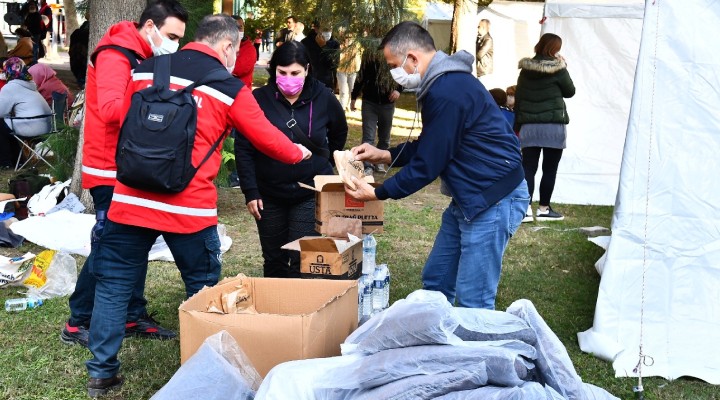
(465, 140)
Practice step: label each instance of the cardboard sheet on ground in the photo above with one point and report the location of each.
(70, 232)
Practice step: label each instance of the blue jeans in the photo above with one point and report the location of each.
(120, 262)
(466, 259)
(83, 298)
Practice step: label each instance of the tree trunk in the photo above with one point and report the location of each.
(463, 14)
(103, 14)
(71, 21)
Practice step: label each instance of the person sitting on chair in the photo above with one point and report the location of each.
(47, 82)
(24, 46)
(19, 103)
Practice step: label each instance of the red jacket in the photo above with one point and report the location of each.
(107, 81)
(221, 105)
(245, 64)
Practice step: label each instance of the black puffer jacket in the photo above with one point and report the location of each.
(541, 87)
(317, 111)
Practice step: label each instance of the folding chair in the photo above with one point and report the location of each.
(28, 143)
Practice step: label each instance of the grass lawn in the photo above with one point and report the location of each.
(554, 268)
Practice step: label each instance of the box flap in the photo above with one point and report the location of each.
(322, 180)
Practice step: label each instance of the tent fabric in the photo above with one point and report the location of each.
(601, 40)
(660, 286)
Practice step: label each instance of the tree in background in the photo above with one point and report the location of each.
(71, 20)
(103, 14)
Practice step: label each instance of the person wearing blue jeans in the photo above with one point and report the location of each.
(468, 144)
(139, 322)
(121, 261)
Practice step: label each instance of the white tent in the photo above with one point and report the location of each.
(601, 39)
(660, 287)
(437, 21)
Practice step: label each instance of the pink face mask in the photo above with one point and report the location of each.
(290, 85)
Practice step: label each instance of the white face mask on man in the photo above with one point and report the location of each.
(407, 81)
(230, 68)
(326, 35)
(167, 46)
(242, 35)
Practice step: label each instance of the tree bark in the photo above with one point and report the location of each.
(103, 14)
(71, 21)
(462, 14)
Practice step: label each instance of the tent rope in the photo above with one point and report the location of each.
(643, 359)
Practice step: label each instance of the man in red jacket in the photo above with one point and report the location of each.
(161, 26)
(246, 56)
(188, 219)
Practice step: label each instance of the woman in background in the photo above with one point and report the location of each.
(542, 118)
(297, 104)
(20, 98)
(47, 82)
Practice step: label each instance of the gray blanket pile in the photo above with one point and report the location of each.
(423, 348)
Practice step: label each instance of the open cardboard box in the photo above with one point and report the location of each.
(329, 257)
(331, 201)
(295, 319)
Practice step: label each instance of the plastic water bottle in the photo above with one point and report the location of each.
(361, 297)
(378, 289)
(367, 296)
(386, 290)
(369, 249)
(22, 304)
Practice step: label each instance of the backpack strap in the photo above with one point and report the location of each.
(129, 54)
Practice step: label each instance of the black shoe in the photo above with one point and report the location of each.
(548, 215)
(147, 327)
(101, 386)
(75, 335)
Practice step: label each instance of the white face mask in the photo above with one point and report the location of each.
(242, 35)
(230, 68)
(407, 81)
(327, 35)
(167, 46)
(2, 76)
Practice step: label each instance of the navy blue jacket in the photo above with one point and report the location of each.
(465, 140)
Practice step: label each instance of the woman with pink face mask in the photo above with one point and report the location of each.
(310, 114)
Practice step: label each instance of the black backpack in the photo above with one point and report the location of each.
(154, 151)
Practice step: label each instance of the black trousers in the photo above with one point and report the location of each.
(9, 146)
(281, 223)
(551, 160)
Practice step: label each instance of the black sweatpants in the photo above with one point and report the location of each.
(551, 160)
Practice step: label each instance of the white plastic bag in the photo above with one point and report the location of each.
(47, 198)
(219, 370)
(61, 278)
(13, 271)
(423, 318)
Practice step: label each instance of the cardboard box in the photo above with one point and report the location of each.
(296, 319)
(328, 258)
(331, 201)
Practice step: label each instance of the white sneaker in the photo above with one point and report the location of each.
(528, 215)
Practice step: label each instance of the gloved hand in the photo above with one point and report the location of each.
(97, 229)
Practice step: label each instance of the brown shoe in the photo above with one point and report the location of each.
(101, 386)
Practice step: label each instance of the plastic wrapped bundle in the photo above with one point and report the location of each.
(218, 370)
(504, 364)
(427, 386)
(553, 362)
(526, 391)
(423, 318)
(476, 324)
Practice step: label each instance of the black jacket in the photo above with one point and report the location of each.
(323, 60)
(78, 51)
(367, 80)
(316, 110)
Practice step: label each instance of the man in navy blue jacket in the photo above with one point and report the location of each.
(466, 142)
